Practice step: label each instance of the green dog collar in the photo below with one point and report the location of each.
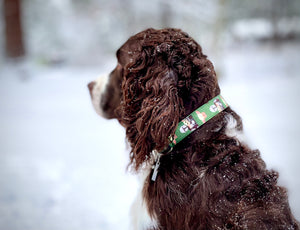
(192, 122)
(197, 118)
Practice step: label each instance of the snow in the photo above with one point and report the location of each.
(64, 167)
(61, 166)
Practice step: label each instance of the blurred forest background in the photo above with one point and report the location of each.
(62, 167)
(85, 32)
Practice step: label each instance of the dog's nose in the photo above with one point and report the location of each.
(91, 87)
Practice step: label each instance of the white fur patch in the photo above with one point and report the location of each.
(231, 129)
(97, 92)
(141, 219)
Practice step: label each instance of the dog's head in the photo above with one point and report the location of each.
(161, 77)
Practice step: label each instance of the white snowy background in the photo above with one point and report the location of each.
(64, 168)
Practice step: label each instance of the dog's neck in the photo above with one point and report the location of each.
(197, 118)
(189, 124)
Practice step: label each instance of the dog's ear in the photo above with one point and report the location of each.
(165, 77)
(150, 109)
(159, 114)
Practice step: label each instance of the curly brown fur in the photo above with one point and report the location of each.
(210, 180)
(165, 77)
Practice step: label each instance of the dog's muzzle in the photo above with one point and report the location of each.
(96, 89)
(91, 87)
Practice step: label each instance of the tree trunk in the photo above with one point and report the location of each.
(13, 29)
(166, 14)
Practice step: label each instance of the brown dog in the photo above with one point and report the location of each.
(211, 179)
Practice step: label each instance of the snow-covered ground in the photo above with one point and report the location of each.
(64, 168)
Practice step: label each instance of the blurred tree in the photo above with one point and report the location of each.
(13, 29)
(166, 14)
(278, 11)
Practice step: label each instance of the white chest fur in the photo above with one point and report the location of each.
(141, 219)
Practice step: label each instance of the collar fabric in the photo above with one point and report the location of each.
(189, 124)
(197, 118)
